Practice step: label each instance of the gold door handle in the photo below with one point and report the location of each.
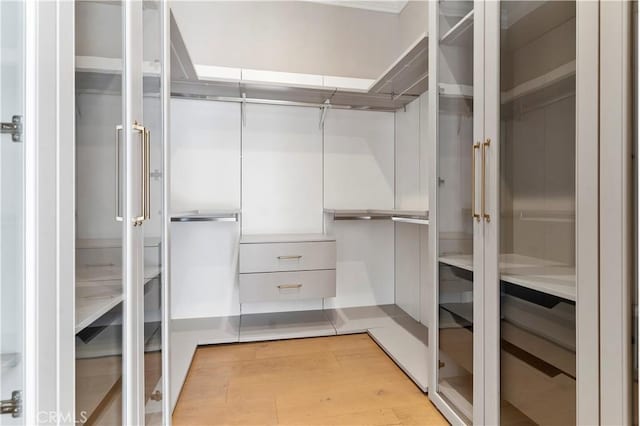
(289, 286)
(119, 216)
(296, 257)
(485, 215)
(476, 216)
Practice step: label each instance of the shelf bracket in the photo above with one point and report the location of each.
(243, 109)
(323, 113)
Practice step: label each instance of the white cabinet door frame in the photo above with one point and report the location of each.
(615, 174)
(49, 133)
(132, 253)
(479, 231)
(165, 80)
(587, 217)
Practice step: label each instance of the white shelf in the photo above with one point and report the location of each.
(461, 32)
(457, 91)
(92, 302)
(100, 290)
(400, 84)
(102, 243)
(554, 76)
(462, 261)
(410, 216)
(104, 65)
(410, 220)
(231, 215)
(451, 389)
(405, 341)
(284, 238)
(408, 74)
(94, 274)
(537, 274)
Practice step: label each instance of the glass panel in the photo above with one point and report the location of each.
(11, 204)
(537, 223)
(152, 119)
(99, 275)
(455, 223)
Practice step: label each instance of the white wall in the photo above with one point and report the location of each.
(281, 170)
(285, 178)
(358, 160)
(365, 266)
(203, 269)
(359, 174)
(412, 281)
(205, 155)
(205, 162)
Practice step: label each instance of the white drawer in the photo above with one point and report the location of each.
(280, 257)
(287, 286)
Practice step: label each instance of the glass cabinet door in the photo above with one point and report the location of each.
(119, 217)
(537, 199)
(456, 223)
(100, 193)
(152, 110)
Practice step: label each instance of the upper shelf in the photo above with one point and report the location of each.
(401, 83)
(408, 74)
(461, 33)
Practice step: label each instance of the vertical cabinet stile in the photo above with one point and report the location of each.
(456, 235)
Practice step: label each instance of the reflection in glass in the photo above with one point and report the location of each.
(99, 293)
(455, 223)
(537, 222)
(152, 228)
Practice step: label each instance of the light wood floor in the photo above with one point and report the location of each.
(338, 380)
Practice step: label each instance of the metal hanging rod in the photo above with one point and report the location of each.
(243, 100)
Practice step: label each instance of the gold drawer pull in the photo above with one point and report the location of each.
(289, 286)
(289, 257)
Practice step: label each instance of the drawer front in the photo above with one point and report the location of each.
(287, 286)
(280, 257)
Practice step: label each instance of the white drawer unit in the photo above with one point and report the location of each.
(274, 286)
(279, 257)
(287, 267)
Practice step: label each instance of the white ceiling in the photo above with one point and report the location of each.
(388, 6)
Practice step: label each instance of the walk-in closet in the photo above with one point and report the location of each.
(299, 202)
(442, 190)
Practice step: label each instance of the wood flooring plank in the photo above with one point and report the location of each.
(337, 380)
